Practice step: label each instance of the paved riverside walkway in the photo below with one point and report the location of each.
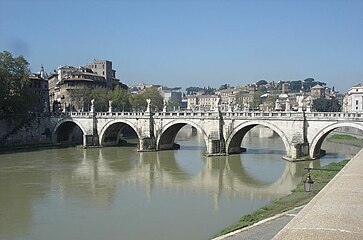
(262, 230)
(336, 212)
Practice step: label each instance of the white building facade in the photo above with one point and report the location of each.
(353, 100)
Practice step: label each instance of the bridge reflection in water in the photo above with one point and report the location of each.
(99, 183)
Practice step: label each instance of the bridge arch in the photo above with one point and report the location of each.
(114, 127)
(234, 140)
(64, 130)
(318, 139)
(166, 137)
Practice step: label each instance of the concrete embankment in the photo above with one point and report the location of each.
(336, 212)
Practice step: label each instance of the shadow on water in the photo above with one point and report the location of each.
(253, 151)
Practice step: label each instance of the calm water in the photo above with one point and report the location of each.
(119, 193)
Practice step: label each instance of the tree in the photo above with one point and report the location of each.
(14, 80)
(261, 82)
(256, 100)
(326, 105)
(209, 90)
(224, 86)
(139, 101)
(269, 102)
(193, 90)
(295, 86)
(121, 99)
(172, 104)
(81, 98)
(101, 97)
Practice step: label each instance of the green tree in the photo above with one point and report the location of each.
(224, 86)
(261, 82)
(270, 101)
(101, 97)
(295, 86)
(209, 90)
(139, 101)
(326, 105)
(172, 104)
(121, 99)
(14, 80)
(256, 100)
(81, 98)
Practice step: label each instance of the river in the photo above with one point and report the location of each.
(119, 193)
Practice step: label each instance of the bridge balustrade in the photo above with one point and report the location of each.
(330, 115)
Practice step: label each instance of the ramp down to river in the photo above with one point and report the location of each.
(336, 212)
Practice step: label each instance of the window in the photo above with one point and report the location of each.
(356, 102)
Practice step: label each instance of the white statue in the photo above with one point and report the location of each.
(217, 101)
(300, 101)
(148, 104)
(164, 105)
(277, 105)
(308, 101)
(92, 105)
(110, 106)
(287, 105)
(308, 104)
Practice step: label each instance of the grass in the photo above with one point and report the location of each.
(346, 139)
(296, 198)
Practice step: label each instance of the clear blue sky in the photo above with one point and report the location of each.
(192, 43)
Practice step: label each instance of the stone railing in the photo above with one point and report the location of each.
(213, 114)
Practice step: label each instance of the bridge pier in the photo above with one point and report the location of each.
(147, 144)
(90, 140)
(215, 147)
(298, 151)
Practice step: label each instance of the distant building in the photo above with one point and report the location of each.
(38, 87)
(138, 88)
(207, 102)
(228, 97)
(284, 87)
(353, 100)
(201, 102)
(171, 96)
(68, 85)
(192, 101)
(104, 68)
(317, 92)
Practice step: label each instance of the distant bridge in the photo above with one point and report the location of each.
(301, 132)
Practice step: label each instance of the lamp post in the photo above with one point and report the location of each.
(308, 182)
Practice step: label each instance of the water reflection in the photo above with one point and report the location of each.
(96, 184)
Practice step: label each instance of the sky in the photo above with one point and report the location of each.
(192, 43)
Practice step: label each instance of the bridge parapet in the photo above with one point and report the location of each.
(334, 115)
(187, 115)
(262, 115)
(112, 115)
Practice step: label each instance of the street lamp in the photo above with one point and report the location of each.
(308, 182)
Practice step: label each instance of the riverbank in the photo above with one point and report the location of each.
(346, 139)
(296, 198)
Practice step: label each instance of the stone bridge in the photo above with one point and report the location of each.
(301, 132)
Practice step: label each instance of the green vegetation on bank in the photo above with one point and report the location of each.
(346, 139)
(297, 197)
